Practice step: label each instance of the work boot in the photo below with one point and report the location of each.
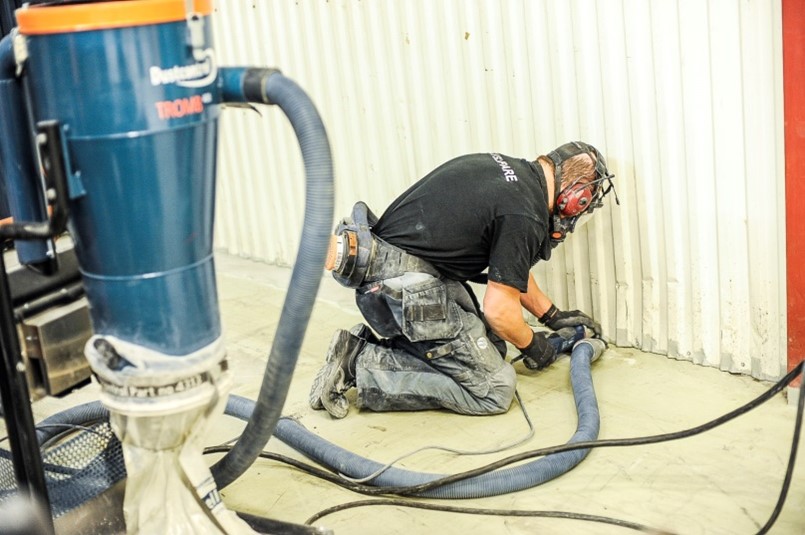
(338, 373)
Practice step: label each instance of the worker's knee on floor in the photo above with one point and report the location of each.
(501, 392)
(509, 382)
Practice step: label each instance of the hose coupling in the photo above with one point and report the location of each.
(597, 346)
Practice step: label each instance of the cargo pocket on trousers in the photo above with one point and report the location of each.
(427, 314)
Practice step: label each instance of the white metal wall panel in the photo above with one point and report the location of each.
(682, 96)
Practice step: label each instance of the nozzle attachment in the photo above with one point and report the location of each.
(597, 346)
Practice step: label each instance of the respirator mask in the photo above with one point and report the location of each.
(574, 204)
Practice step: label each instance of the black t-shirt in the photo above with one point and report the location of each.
(474, 212)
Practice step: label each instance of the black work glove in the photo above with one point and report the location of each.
(539, 353)
(557, 319)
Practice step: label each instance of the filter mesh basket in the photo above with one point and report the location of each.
(77, 469)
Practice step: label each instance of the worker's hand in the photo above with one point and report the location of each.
(539, 353)
(557, 319)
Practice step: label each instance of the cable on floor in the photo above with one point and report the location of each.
(488, 512)
(454, 451)
(636, 441)
(67, 427)
(792, 457)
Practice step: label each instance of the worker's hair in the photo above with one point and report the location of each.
(580, 166)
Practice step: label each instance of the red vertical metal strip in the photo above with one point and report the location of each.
(794, 103)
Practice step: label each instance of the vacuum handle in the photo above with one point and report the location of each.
(51, 153)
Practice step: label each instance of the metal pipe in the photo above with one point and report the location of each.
(16, 400)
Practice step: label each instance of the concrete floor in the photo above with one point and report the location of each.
(724, 481)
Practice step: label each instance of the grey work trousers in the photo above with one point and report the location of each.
(435, 352)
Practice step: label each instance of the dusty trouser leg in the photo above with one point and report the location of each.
(442, 359)
(468, 380)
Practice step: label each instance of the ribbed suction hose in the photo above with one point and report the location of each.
(500, 481)
(493, 483)
(269, 86)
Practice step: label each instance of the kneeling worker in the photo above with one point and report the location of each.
(476, 217)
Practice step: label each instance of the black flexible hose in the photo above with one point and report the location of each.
(307, 271)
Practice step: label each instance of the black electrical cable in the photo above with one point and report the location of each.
(370, 490)
(637, 441)
(52, 467)
(605, 443)
(68, 428)
(789, 472)
(488, 512)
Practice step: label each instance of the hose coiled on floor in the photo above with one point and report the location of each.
(493, 483)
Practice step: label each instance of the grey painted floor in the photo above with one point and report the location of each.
(724, 481)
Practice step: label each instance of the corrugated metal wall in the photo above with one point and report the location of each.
(683, 96)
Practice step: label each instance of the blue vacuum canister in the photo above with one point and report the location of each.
(138, 105)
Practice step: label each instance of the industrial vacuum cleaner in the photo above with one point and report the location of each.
(112, 108)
